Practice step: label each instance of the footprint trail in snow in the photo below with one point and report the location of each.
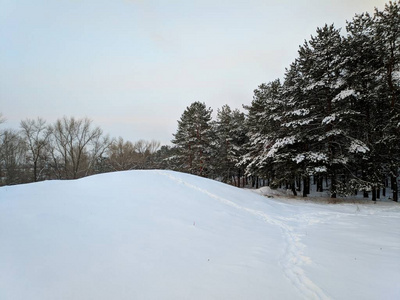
(292, 258)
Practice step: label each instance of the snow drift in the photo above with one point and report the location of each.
(168, 235)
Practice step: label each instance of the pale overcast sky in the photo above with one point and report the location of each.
(134, 66)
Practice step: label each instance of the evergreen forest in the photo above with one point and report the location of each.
(333, 120)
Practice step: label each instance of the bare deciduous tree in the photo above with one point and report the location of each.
(122, 155)
(76, 146)
(12, 157)
(128, 156)
(36, 135)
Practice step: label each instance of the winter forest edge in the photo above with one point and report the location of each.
(333, 122)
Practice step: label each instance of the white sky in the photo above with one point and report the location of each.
(134, 66)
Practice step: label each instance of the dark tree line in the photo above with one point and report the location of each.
(334, 119)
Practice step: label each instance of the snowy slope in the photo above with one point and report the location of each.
(168, 235)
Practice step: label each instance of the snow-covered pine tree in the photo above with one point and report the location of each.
(166, 158)
(386, 27)
(223, 143)
(193, 138)
(230, 137)
(311, 118)
(366, 107)
(289, 142)
(238, 132)
(263, 125)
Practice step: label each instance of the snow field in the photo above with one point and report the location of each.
(168, 235)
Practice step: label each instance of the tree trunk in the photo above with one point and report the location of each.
(395, 188)
(333, 185)
(384, 187)
(35, 177)
(320, 187)
(374, 194)
(364, 177)
(306, 186)
(293, 186)
(298, 183)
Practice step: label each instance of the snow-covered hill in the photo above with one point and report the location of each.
(168, 235)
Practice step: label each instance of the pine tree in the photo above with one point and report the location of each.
(230, 136)
(166, 158)
(363, 100)
(386, 27)
(193, 139)
(289, 141)
(238, 133)
(265, 115)
(311, 118)
(263, 124)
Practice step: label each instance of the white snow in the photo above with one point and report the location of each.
(314, 85)
(344, 94)
(168, 235)
(297, 123)
(333, 132)
(396, 76)
(299, 158)
(339, 83)
(279, 143)
(320, 169)
(329, 119)
(311, 156)
(299, 112)
(357, 146)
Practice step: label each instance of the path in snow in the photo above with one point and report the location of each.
(295, 221)
(292, 258)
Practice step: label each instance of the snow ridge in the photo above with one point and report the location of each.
(292, 258)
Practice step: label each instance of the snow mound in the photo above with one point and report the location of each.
(168, 235)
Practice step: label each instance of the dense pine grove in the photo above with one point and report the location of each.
(333, 122)
(335, 118)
